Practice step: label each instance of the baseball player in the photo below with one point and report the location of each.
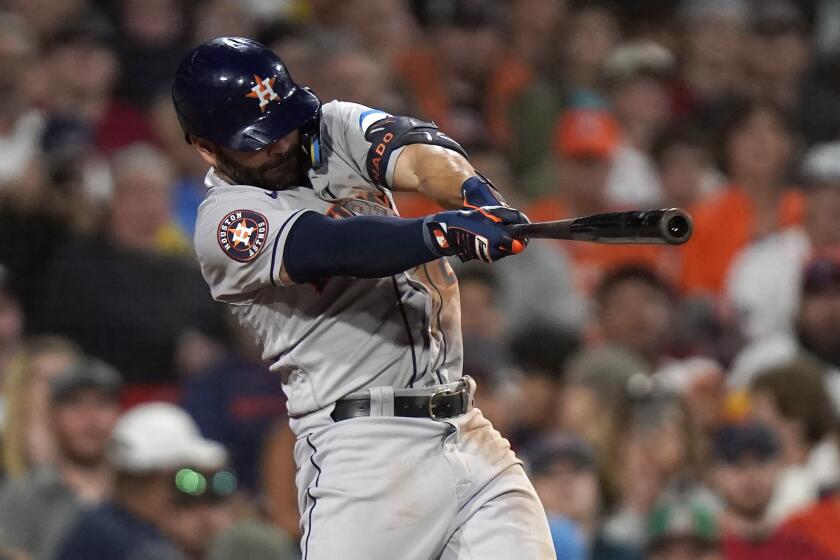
(357, 309)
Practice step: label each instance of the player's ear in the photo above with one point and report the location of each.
(205, 149)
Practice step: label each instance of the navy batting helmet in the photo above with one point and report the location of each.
(236, 93)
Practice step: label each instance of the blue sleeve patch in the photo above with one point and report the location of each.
(375, 113)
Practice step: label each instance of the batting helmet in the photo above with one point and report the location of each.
(236, 93)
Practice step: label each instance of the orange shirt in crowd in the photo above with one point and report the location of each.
(421, 73)
(723, 225)
(820, 523)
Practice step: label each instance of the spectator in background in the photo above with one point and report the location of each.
(682, 530)
(635, 77)
(82, 59)
(188, 190)
(595, 385)
(814, 337)
(37, 510)
(651, 453)
(237, 402)
(635, 312)
(819, 522)
(818, 321)
(757, 148)
(150, 445)
(780, 70)
(140, 209)
(713, 55)
(747, 463)
(86, 296)
(64, 198)
(540, 352)
(151, 41)
(591, 31)
(564, 470)
(771, 269)
(28, 436)
(458, 80)
(684, 166)
(594, 30)
(585, 142)
(21, 123)
(804, 421)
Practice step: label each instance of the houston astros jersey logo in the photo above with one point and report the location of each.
(264, 91)
(242, 234)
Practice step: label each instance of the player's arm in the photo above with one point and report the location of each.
(319, 247)
(407, 154)
(434, 171)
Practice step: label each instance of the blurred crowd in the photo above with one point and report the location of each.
(668, 402)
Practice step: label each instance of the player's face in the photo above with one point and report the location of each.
(277, 166)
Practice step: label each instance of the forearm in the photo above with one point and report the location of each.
(434, 171)
(360, 246)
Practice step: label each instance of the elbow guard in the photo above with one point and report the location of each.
(388, 134)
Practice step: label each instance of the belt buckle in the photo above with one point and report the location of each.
(442, 392)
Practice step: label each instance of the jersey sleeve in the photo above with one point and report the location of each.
(240, 247)
(345, 125)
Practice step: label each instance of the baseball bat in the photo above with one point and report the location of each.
(658, 227)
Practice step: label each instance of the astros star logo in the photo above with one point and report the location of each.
(264, 91)
(242, 234)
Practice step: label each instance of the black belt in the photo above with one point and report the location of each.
(446, 403)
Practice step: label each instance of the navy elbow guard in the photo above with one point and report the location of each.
(390, 133)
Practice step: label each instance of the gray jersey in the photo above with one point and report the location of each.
(346, 334)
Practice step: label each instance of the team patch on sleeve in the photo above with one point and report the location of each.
(242, 234)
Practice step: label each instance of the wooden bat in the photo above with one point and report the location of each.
(658, 227)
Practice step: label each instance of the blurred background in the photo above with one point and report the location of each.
(668, 402)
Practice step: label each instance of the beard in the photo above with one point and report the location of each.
(287, 170)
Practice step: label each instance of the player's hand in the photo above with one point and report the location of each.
(471, 234)
(481, 196)
(478, 191)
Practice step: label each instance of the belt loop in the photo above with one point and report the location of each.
(381, 401)
(471, 386)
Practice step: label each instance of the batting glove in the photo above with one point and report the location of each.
(480, 195)
(471, 234)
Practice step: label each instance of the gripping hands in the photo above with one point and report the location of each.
(478, 231)
(470, 234)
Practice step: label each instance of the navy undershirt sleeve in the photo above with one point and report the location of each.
(319, 247)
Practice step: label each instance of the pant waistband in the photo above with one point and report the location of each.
(438, 402)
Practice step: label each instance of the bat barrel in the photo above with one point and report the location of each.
(671, 226)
